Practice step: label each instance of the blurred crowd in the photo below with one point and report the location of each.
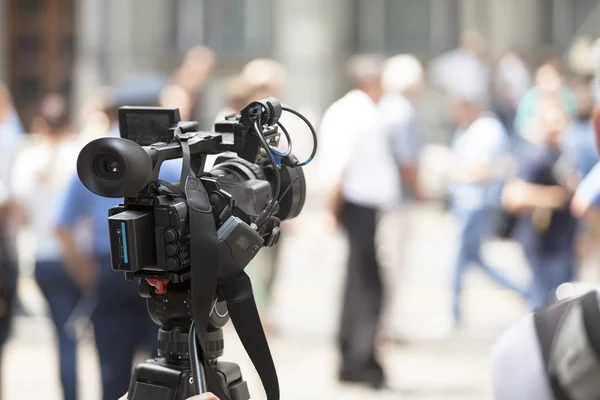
(522, 164)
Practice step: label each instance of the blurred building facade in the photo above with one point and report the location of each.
(75, 46)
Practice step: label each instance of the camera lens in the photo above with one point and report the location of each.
(292, 203)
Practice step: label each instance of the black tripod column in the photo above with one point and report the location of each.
(168, 377)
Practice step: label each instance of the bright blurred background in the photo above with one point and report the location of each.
(76, 47)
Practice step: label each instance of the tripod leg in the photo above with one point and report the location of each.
(153, 380)
(232, 379)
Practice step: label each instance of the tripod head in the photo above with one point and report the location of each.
(171, 311)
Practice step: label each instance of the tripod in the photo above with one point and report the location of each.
(169, 377)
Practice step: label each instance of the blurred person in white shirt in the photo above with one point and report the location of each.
(41, 173)
(404, 84)
(357, 163)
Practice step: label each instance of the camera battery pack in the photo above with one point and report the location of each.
(132, 244)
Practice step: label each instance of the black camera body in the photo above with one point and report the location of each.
(149, 231)
(207, 225)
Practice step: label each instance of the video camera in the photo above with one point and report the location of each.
(189, 241)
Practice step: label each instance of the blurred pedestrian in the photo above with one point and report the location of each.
(359, 168)
(540, 195)
(239, 93)
(94, 121)
(174, 96)
(475, 168)
(11, 134)
(260, 78)
(465, 65)
(548, 81)
(265, 77)
(403, 82)
(40, 175)
(192, 76)
(511, 80)
(120, 318)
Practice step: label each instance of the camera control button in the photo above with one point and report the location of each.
(172, 264)
(171, 250)
(170, 235)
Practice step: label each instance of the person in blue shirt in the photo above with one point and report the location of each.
(540, 196)
(120, 318)
(475, 173)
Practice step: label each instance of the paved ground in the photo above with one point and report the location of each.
(437, 363)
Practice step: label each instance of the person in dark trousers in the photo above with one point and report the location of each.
(540, 195)
(120, 318)
(41, 171)
(363, 179)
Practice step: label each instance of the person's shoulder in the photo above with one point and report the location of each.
(396, 106)
(333, 110)
(396, 99)
(349, 99)
(517, 365)
(343, 110)
(491, 127)
(524, 328)
(530, 95)
(489, 122)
